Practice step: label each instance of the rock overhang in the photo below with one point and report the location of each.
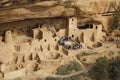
(17, 14)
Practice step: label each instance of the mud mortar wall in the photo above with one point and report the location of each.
(25, 26)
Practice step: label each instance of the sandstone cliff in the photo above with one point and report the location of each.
(83, 9)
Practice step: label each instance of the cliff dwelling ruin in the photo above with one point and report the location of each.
(38, 39)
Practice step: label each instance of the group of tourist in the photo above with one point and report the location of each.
(68, 46)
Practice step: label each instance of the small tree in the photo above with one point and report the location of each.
(68, 68)
(116, 15)
(114, 69)
(99, 70)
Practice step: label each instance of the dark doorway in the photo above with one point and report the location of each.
(85, 26)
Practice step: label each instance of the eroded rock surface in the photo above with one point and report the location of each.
(30, 35)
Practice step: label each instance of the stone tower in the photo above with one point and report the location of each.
(72, 27)
(8, 37)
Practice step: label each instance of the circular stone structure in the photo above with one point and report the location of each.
(69, 43)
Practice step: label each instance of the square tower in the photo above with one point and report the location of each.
(97, 32)
(72, 27)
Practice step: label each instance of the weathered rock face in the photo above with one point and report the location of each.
(97, 6)
(62, 8)
(96, 9)
(34, 12)
(32, 35)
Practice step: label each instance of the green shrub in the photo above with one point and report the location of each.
(99, 69)
(68, 68)
(51, 78)
(75, 77)
(105, 69)
(114, 69)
